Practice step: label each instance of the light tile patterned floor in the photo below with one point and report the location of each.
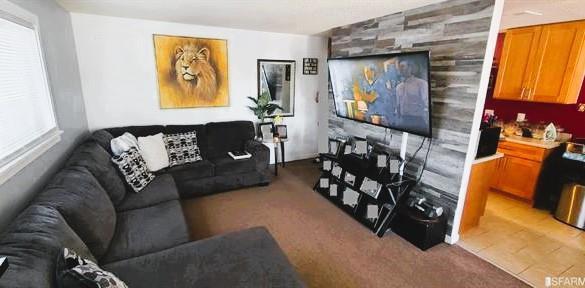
(525, 241)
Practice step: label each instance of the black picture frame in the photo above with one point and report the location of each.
(281, 130)
(261, 132)
(310, 66)
(425, 52)
(290, 73)
(337, 150)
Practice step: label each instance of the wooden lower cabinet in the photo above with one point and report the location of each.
(518, 171)
(517, 176)
(477, 193)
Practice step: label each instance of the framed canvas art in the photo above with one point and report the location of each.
(191, 72)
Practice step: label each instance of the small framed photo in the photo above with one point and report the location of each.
(310, 66)
(281, 131)
(349, 178)
(266, 130)
(381, 160)
(372, 212)
(347, 149)
(359, 146)
(394, 166)
(324, 183)
(371, 187)
(333, 190)
(336, 170)
(334, 146)
(350, 197)
(327, 165)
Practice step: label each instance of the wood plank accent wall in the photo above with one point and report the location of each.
(456, 33)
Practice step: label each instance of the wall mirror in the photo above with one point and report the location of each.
(277, 78)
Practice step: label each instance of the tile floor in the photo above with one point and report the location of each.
(526, 242)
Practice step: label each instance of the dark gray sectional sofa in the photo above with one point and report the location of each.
(143, 237)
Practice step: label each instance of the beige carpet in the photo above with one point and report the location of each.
(330, 249)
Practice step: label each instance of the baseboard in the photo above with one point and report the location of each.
(451, 239)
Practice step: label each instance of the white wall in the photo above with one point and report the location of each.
(59, 53)
(117, 64)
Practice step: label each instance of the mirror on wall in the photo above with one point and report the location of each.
(277, 78)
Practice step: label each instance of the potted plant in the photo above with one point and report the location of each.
(263, 106)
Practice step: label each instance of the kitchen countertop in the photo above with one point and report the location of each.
(532, 142)
(488, 158)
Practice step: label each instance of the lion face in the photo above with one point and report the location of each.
(194, 73)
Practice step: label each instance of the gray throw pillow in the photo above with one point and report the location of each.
(75, 271)
(182, 148)
(134, 169)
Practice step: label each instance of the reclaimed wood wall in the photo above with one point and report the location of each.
(456, 33)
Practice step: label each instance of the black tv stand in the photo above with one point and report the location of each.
(393, 192)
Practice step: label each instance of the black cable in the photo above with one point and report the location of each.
(404, 162)
(415, 152)
(425, 163)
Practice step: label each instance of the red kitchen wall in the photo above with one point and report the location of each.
(566, 116)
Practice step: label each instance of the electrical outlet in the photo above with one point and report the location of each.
(581, 107)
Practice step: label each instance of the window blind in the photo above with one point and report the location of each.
(26, 110)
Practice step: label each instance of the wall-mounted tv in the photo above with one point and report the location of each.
(389, 90)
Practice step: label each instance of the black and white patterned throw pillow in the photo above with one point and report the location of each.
(75, 271)
(134, 169)
(182, 148)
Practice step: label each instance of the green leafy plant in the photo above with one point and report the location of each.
(263, 106)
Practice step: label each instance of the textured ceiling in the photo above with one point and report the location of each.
(285, 16)
(552, 11)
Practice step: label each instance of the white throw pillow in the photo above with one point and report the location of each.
(153, 150)
(123, 143)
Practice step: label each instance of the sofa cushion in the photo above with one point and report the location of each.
(227, 165)
(211, 185)
(260, 152)
(133, 167)
(97, 160)
(199, 129)
(146, 230)
(195, 170)
(84, 204)
(123, 143)
(247, 258)
(182, 148)
(153, 150)
(223, 137)
(103, 138)
(74, 271)
(161, 189)
(138, 131)
(32, 242)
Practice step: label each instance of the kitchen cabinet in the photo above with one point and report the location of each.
(515, 65)
(482, 170)
(544, 63)
(518, 171)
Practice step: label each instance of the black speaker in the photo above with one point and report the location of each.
(488, 142)
(418, 229)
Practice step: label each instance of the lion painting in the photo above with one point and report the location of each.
(192, 72)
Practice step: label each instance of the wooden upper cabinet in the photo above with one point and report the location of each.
(544, 63)
(558, 72)
(513, 73)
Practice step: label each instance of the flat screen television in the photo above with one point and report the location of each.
(389, 90)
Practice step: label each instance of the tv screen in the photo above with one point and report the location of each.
(390, 90)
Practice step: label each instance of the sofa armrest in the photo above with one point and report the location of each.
(247, 258)
(260, 152)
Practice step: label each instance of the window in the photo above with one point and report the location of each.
(27, 122)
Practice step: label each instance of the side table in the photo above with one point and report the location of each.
(275, 142)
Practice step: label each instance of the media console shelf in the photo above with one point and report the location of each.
(369, 194)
